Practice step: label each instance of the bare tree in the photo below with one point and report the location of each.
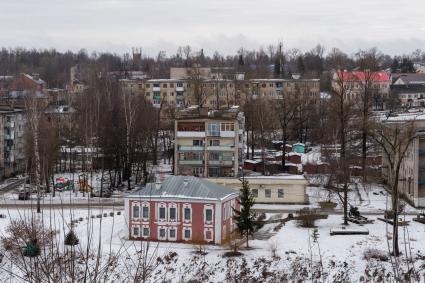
(395, 139)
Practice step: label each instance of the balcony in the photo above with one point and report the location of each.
(179, 89)
(191, 134)
(191, 162)
(9, 124)
(221, 148)
(227, 134)
(220, 163)
(156, 88)
(422, 152)
(190, 148)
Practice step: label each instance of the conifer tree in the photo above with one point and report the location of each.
(245, 216)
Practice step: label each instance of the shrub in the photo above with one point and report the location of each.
(71, 239)
(375, 254)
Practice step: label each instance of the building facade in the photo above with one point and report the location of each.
(208, 143)
(284, 189)
(356, 84)
(409, 88)
(181, 209)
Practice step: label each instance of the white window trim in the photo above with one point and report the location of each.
(173, 205)
(133, 205)
(187, 205)
(149, 231)
(208, 206)
(183, 235)
(132, 231)
(175, 234)
(159, 234)
(212, 234)
(146, 204)
(162, 205)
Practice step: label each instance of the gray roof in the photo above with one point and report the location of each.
(410, 78)
(184, 187)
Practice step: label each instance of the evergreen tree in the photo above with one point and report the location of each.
(245, 216)
(71, 239)
(395, 66)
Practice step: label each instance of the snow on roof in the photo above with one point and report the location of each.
(279, 177)
(252, 161)
(184, 187)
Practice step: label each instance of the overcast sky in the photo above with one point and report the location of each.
(395, 27)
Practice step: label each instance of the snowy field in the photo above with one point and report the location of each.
(297, 256)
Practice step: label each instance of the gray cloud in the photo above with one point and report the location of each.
(223, 25)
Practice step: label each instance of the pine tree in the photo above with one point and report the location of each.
(244, 217)
(71, 239)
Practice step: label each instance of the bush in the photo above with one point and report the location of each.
(375, 254)
(71, 239)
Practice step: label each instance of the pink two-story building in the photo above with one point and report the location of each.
(181, 209)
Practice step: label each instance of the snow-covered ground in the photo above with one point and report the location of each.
(297, 255)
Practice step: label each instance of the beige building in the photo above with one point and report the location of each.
(169, 91)
(412, 171)
(208, 143)
(285, 189)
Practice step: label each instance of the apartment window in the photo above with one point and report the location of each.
(172, 213)
(148, 94)
(162, 233)
(280, 193)
(198, 171)
(164, 85)
(172, 94)
(172, 233)
(136, 211)
(164, 94)
(148, 85)
(145, 232)
(186, 234)
(263, 85)
(227, 126)
(187, 215)
(208, 215)
(214, 156)
(214, 142)
(145, 212)
(198, 143)
(267, 193)
(171, 85)
(214, 129)
(162, 213)
(179, 84)
(255, 193)
(136, 231)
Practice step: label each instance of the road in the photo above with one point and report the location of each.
(10, 184)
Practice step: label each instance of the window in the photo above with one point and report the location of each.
(198, 143)
(186, 234)
(255, 193)
(147, 94)
(214, 156)
(172, 233)
(162, 233)
(136, 231)
(172, 94)
(214, 129)
(268, 193)
(179, 84)
(145, 232)
(172, 213)
(164, 85)
(208, 235)
(227, 126)
(171, 85)
(280, 193)
(214, 142)
(136, 211)
(208, 215)
(162, 213)
(145, 212)
(198, 171)
(187, 215)
(213, 172)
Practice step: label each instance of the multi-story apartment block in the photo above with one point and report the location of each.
(12, 154)
(412, 171)
(280, 88)
(169, 91)
(208, 143)
(356, 83)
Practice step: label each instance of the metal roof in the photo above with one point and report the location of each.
(184, 187)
